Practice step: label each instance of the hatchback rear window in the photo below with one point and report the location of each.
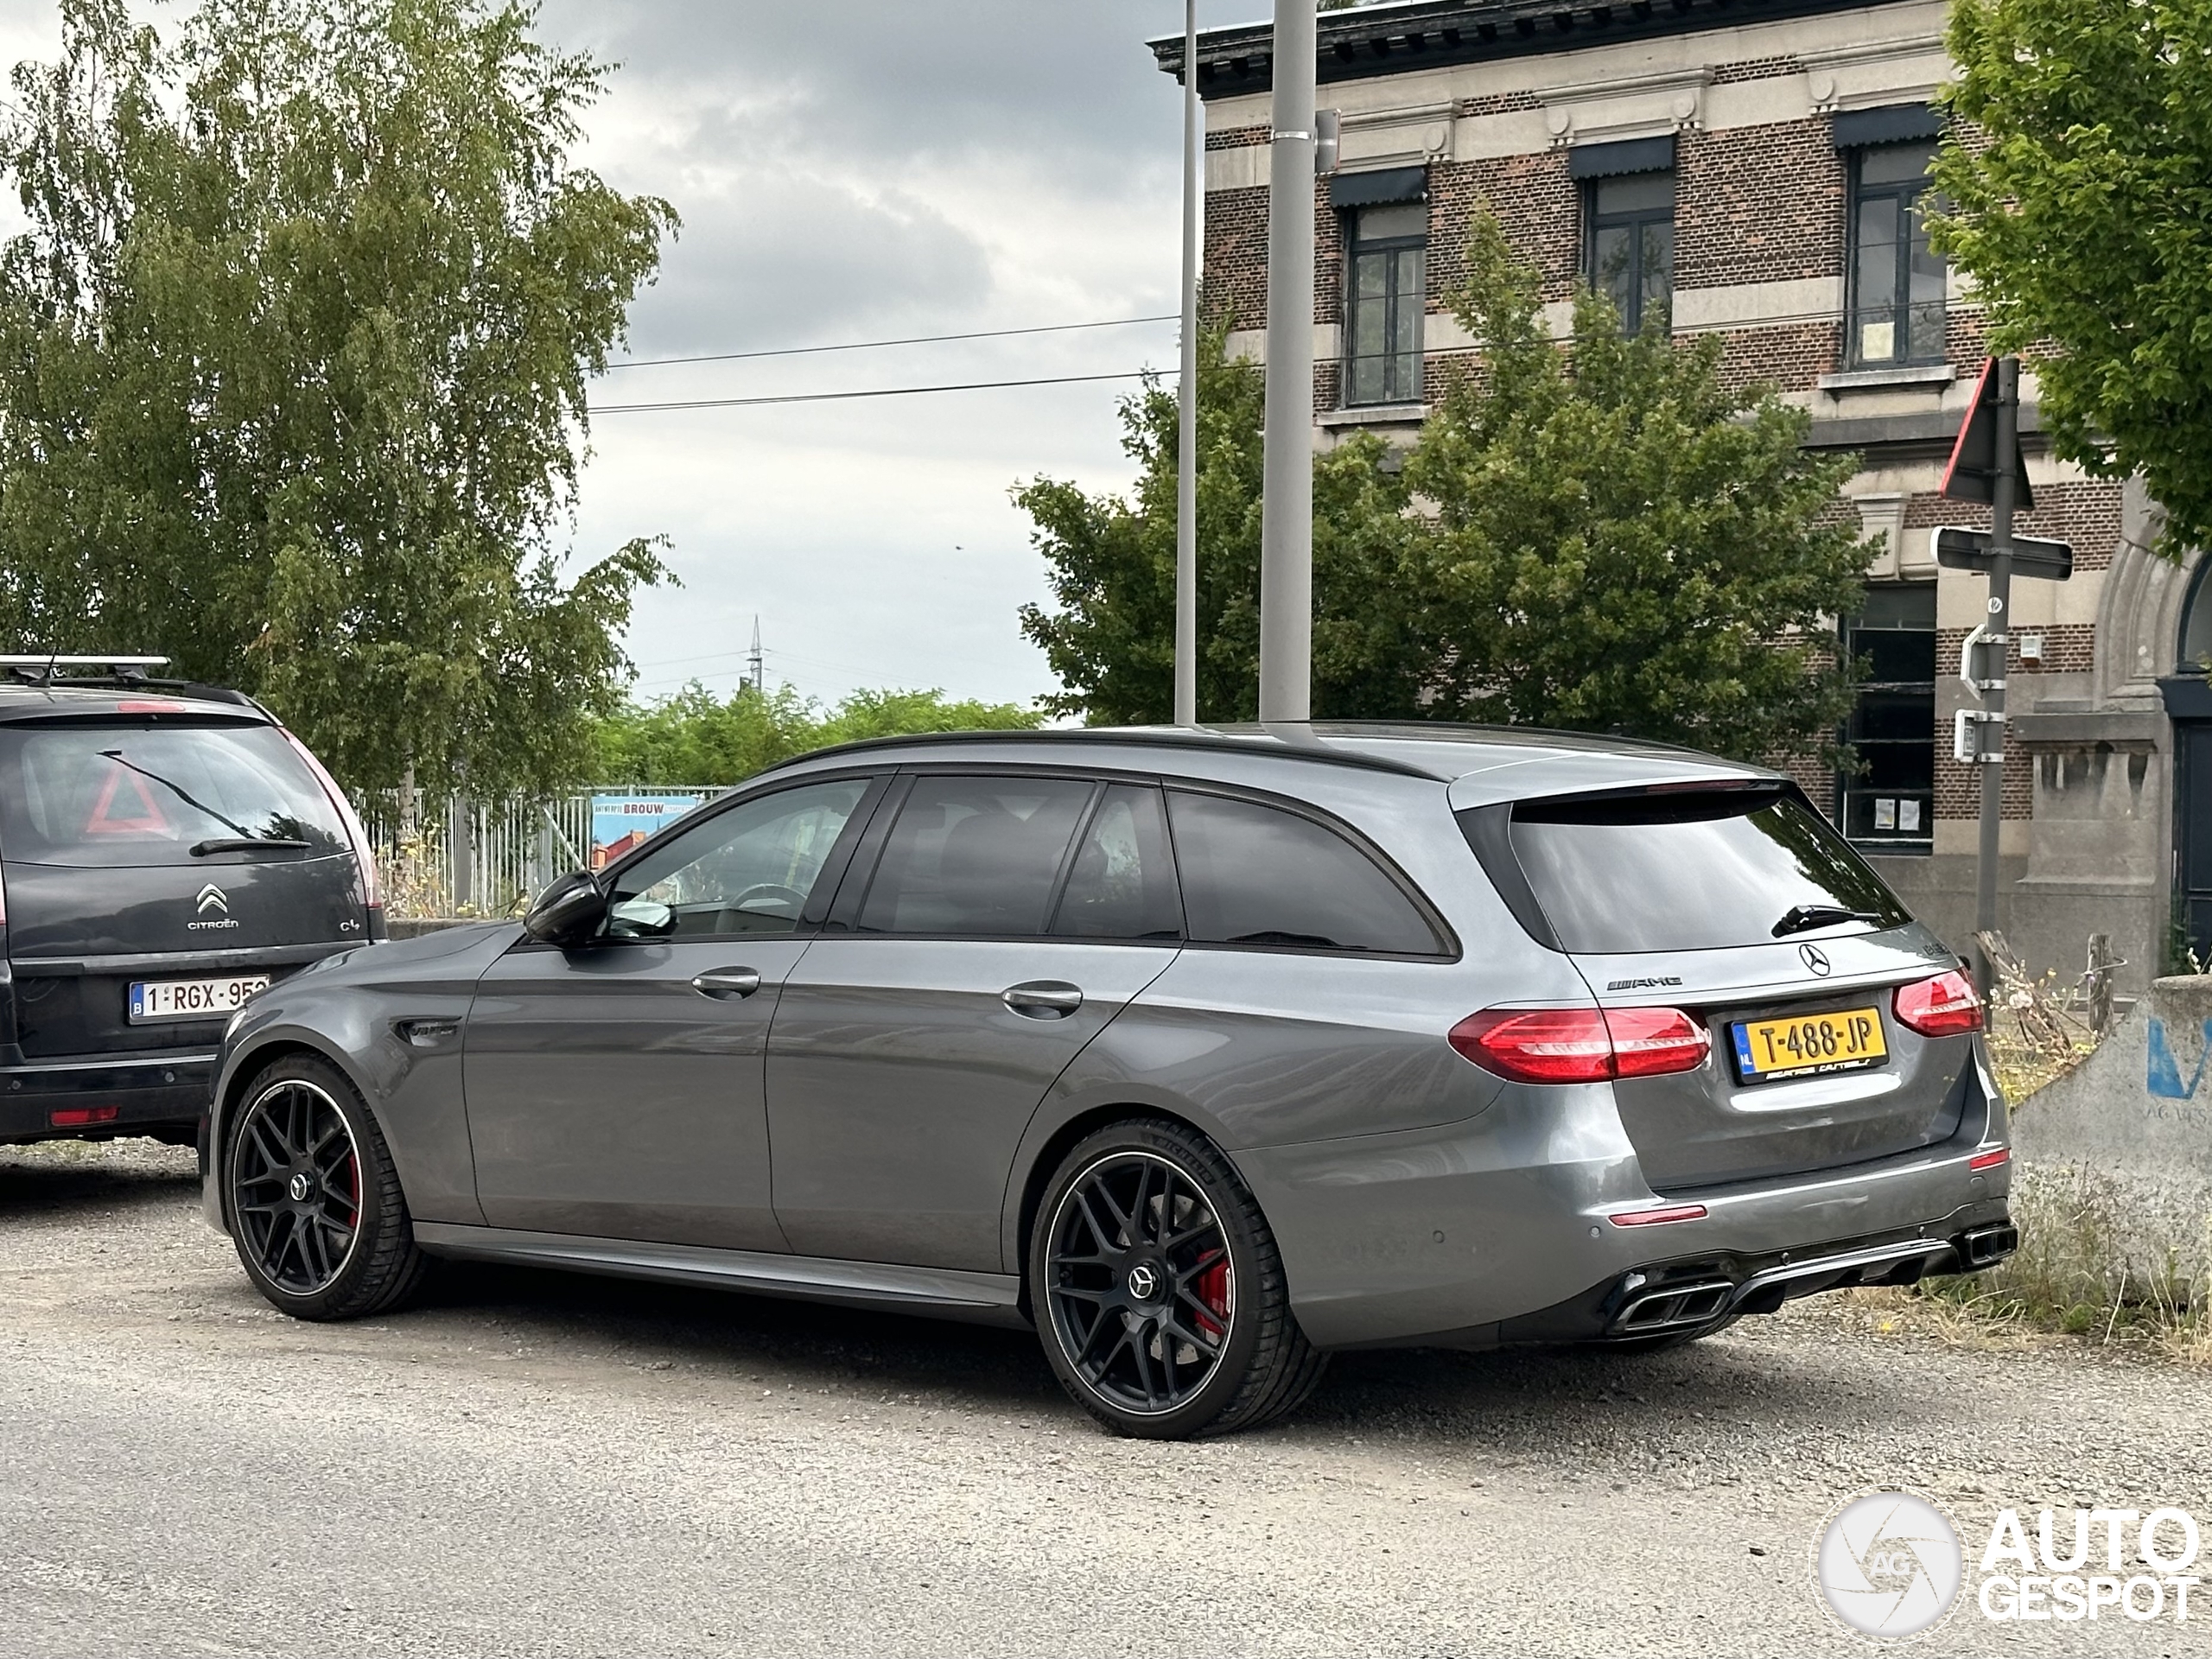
(1695, 871)
(134, 795)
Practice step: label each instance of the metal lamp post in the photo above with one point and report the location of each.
(1286, 507)
(1186, 464)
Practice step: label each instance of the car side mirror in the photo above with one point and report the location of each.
(569, 911)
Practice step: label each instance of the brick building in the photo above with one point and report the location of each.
(1756, 167)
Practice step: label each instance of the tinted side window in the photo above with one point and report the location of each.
(746, 870)
(974, 856)
(1695, 872)
(1123, 884)
(1254, 874)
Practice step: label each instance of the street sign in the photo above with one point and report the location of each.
(1968, 550)
(1971, 476)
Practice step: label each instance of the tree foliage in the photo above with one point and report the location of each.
(293, 358)
(695, 738)
(2080, 204)
(1599, 535)
(1111, 563)
(1623, 542)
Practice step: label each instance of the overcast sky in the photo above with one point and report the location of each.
(855, 172)
(870, 170)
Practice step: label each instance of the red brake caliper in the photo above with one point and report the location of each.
(1213, 1291)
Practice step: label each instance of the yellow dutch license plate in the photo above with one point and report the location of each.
(1808, 1045)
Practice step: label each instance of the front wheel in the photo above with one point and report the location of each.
(316, 1212)
(1158, 1290)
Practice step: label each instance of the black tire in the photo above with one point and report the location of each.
(1152, 1196)
(315, 1209)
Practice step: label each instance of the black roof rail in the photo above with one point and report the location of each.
(125, 681)
(1269, 745)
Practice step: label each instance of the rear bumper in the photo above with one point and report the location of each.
(1662, 1298)
(99, 1095)
(1501, 1230)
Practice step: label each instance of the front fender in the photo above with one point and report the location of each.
(395, 1026)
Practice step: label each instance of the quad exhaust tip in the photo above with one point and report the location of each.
(1986, 1246)
(1671, 1306)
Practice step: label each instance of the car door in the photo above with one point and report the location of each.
(972, 959)
(615, 1089)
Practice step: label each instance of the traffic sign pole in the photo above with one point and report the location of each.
(1996, 652)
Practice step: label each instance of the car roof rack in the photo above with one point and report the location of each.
(121, 672)
(45, 669)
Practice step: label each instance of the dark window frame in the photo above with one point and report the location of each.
(843, 908)
(1920, 844)
(1899, 308)
(1407, 365)
(1633, 219)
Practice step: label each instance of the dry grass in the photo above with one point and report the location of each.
(2079, 1275)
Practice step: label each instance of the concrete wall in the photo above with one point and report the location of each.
(2047, 921)
(2139, 1110)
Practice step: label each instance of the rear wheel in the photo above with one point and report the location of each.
(1158, 1291)
(316, 1211)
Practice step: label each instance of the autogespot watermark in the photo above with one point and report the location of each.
(1891, 1564)
(1888, 1564)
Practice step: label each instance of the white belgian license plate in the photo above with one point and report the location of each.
(192, 999)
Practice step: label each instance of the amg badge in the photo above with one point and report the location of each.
(1644, 984)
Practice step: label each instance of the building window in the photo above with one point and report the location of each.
(1897, 279)
(1629, 253)
(1890, 805)
(1385, 293)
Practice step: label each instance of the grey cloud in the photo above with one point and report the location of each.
(1067, 79)
(788, 258)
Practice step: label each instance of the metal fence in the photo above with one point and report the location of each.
(485, 858)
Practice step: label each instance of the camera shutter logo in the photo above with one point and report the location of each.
(1888, 1564)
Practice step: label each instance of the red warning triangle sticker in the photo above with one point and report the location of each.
(105, 821)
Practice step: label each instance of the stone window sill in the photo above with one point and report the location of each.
(1375, 415)
(1932, 375)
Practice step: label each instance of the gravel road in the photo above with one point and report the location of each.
(538, 1464)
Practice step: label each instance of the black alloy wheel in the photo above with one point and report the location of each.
(1157, 1289)
(1141, 1289)
(297, 1186)
(314, 1204)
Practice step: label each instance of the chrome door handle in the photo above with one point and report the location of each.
(1043, 999)
(728, 982)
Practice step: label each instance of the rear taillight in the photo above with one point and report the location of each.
(76, 1117)
(1582, 1044)
(372, 894)
(1945, 1006)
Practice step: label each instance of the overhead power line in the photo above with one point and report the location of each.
(878, 345)
(877, 392)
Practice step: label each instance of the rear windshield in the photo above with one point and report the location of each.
(137, 794)
(1695, 872)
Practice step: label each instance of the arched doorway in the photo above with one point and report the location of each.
(2187, 693)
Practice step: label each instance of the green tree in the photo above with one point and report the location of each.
(1622, 542)
(695, 738)
(1606, 539)
(1111, 567)
(293, 360)
(2081, 205)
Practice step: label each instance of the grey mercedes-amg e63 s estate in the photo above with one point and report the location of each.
(1203, 1053)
